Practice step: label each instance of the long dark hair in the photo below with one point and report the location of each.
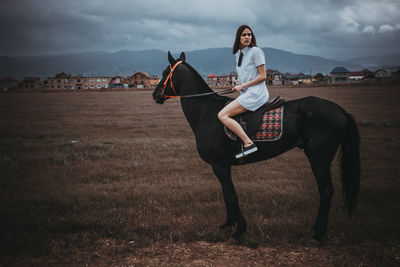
(239, 31)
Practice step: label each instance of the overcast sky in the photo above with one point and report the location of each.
(336, 29)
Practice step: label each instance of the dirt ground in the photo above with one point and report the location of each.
(111, 179)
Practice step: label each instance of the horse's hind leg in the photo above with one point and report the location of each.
(321, 166)
(233, 213)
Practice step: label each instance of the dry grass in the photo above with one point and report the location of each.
(110, 178)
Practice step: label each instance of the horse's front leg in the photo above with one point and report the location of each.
(233, 213)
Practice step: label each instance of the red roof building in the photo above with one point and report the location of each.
(356, 75)
(212, 80)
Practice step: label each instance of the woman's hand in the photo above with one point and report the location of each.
(261, 77)
(238, 88)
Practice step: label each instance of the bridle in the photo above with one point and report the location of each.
(169, 78)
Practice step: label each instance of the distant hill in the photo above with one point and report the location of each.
(221, 60)
(88, 63)
(207, 61)
(374, 62)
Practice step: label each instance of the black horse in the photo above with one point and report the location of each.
(316, 125)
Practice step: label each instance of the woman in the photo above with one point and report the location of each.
(250, 67)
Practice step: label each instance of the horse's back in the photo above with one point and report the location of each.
(314, 109)
(320, 122)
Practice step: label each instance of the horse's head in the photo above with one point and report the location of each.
(165, 88)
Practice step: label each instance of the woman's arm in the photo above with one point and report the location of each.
(261, 77)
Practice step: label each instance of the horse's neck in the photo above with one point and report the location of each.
(202, 109)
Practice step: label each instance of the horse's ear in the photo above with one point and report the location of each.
(171, 59)
(182, 56)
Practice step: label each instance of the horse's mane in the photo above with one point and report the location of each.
(203, 83)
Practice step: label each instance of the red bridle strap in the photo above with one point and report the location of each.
(169, 78)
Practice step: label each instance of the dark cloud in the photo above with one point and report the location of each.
(335, 29)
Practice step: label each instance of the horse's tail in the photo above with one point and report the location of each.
(350, 164)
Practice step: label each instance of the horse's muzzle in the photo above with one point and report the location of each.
(159, 99)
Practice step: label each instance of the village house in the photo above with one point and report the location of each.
(305, 79)
(8, 83)
(65, 81)
(392, 72)
(224, 80)
(367, 73)
(319, 78)
(274, 77)
(31, 83)
(339, 74)
(291, 79)
(60, 81)
(78, 82)
(154, 80)
(143, 80)
(127, 82)
(101, 82)
(212, 80)
(381, 74)
(230, 79)
(396, 74)
(119, 82)
(356, 75)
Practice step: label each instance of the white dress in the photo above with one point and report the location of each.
(253, 97)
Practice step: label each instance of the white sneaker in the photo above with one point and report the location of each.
(246, 151)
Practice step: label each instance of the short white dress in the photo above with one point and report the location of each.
(253, 97)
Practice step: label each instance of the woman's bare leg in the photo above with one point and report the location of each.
(225, 116)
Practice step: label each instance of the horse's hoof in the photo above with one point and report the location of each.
(319, 240)
(237, 235)
(312, 242)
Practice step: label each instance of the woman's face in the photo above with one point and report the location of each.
(245, 37)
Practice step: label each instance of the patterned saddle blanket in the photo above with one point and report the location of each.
(269, 129)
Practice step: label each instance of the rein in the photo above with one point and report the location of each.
(169, 78)
(223, 92)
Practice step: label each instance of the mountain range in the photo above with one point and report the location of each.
(207, 61)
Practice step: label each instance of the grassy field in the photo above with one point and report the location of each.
(110, 178)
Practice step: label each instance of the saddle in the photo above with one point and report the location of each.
(250, 120)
